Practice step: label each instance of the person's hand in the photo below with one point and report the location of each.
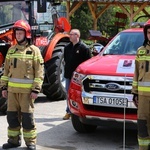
(33, 95)
(135, 99)
(4, 93)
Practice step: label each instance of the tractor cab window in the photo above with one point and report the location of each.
(125, 43)
(44, 20)
(10, 12)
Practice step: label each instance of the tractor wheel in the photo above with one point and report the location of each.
(54, 75)
(3, 101)
(81, 127)
(3, 104)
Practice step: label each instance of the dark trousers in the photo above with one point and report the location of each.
(67, 84)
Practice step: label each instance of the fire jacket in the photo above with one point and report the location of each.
(23, 69)
(73, 56)
(141, 80)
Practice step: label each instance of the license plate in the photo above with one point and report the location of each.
(110, 101)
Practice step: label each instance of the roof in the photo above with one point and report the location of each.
(120, 1)
(19, 0)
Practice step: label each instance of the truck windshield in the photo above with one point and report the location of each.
(10, 12)
(125, 43)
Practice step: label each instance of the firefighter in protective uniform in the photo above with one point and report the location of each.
(141, 90)
(21, 83)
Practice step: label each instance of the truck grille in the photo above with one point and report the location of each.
(109, 84)
(107, 94)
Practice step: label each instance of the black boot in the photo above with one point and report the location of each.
(31, 147)
(10, 145)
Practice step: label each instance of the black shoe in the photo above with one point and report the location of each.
(10, 145)
(31, 147)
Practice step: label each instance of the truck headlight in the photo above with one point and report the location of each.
(74, 103)
(78, 77)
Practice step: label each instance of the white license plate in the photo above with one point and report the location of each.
(110, 101)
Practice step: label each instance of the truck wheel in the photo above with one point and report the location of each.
(54, 75)
(3, 104)
(81, 127)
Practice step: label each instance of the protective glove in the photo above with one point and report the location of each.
(135, 99)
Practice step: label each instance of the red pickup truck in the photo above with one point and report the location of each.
(100, 89)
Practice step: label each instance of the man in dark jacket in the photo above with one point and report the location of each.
(75, 53)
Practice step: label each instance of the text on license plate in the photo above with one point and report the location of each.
(110, 101)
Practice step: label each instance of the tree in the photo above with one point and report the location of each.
(82, 20)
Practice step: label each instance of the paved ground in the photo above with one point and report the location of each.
(57, 134)
(48, 115)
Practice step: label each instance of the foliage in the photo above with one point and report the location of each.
(141, 17)
(105, 21)
(82, 20)
(88, 42)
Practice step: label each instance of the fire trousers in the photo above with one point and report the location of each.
(143, 122)
(20, 118)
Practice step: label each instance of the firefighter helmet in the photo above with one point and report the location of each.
(23, 25)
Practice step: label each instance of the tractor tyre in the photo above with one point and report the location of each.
(81, 127)
(3, 104)
(3, 101)
(54, 75)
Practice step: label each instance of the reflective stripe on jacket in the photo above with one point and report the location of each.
(23, 69)
(141, 80)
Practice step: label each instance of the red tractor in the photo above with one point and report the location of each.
(49, 33)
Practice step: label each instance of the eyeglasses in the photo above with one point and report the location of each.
(72, 34)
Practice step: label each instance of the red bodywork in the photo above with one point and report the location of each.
(62, 25)
(53, 43)
(101, 65)
(8, 37)
(93, 67)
